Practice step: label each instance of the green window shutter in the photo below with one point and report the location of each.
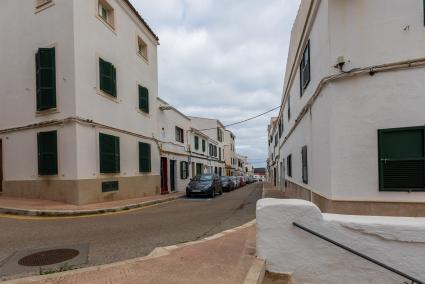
(144, 157)
(203, 146)
(304, 165)
(289, 165)
(107, 77)
(47, 153)
(305, 69)
(196, 142)
(182, 170)
(109, 153)
(46, 79)
(402, 159)
(144, 99)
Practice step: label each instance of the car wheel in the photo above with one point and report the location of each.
(212, 193)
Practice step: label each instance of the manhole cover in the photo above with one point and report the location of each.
(48, 257)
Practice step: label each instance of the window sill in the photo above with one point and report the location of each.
(143, 58)
(44, 7)
(145, 114)
(108, 25)
(46, 112)
(108, 96)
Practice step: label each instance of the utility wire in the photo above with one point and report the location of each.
(243, 121)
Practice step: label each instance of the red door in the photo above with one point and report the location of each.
(164, 176)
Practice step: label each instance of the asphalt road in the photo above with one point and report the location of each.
(132, 234)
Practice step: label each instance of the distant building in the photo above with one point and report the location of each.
(350, 134)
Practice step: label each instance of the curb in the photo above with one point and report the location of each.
(156, 253)
(256, 273)
(73, 213)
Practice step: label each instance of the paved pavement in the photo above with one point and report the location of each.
(38, 207)
(226, 258)
(127, 235)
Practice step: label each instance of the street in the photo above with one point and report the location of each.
(132, 234)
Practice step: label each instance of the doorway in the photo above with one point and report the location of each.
(164, 176)
(1, 166)
(172, 175)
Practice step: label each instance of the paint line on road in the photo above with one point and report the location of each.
(46, 218)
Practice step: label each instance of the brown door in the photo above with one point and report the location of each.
(164, 176)
(1, 166)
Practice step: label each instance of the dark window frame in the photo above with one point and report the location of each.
(289, 165)
(47, 158)
(196, 142)
(383, 160)
(305, 65)
(144, 99)
(184, 170)
(105, 79)
(115, 167)
(304, 164)
(179, 134)
(204, 146)
(46, 79)
(145, 157)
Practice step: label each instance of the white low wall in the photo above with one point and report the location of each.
(397, 242)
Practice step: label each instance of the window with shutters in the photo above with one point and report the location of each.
(106, 13)
(402, 159)
(304, 164)
(196, 143)
(109, 154)
(46, 79)
(107, 78)
(305, 69)
(204, 145)
(47, 144)
(143, 99)
(219, 154)
(144, 157)
(289, 165)
(219, 135)
(184, 170)
(289, 107)
(142, 48)
(179, 135)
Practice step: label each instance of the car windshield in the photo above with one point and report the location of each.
(203, 178)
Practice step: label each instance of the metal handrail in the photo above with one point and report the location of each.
(414, 280)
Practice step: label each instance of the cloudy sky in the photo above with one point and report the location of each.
(223, 59)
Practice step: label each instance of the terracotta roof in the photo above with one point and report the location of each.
(140, 18)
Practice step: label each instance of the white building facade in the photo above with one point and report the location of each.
(75, 122)
(351, 127)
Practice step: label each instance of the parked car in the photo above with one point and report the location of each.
(227, 184)
(242, 181)
(207, 185)
(236, 182)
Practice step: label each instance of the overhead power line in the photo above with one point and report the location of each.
(243, 121)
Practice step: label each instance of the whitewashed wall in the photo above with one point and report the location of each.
(397, 242)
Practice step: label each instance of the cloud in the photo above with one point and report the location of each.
(223, 59)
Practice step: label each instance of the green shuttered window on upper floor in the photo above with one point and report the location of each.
(196, 143)
(143, 99)
(402, 159)
(109, 153)
(107, 78)
(46, 79)
(144, 157)
(47, 145)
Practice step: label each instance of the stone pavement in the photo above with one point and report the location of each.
(270, 191)
(38, 207)
(225, 258)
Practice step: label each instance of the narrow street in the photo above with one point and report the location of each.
(133, 234)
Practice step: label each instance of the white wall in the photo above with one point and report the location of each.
(397, 242)
(94, 39)
(23, 32)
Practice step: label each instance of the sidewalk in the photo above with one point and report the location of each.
(224, 258)
(37, 207)
(271, 191)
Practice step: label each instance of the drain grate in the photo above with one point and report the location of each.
(48, 257)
